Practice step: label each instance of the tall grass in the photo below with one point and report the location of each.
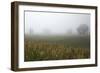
(38, 50)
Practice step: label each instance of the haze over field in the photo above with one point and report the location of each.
(47, 23)
(56, 36)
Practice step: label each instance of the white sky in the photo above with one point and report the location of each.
(54, 23)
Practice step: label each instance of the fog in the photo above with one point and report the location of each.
(43, 23)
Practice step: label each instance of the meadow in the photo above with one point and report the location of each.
(40, 48)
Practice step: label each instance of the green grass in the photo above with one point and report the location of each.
(40, 48)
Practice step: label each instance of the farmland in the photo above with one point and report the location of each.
(39, 48)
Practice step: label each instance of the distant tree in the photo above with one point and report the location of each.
(31, 32)
(46, 32)
(83, 29)
(69, 32)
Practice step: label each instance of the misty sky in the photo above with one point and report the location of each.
(54, 23)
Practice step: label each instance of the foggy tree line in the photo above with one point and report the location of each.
(82, 29)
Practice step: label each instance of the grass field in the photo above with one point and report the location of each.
(39, 48)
